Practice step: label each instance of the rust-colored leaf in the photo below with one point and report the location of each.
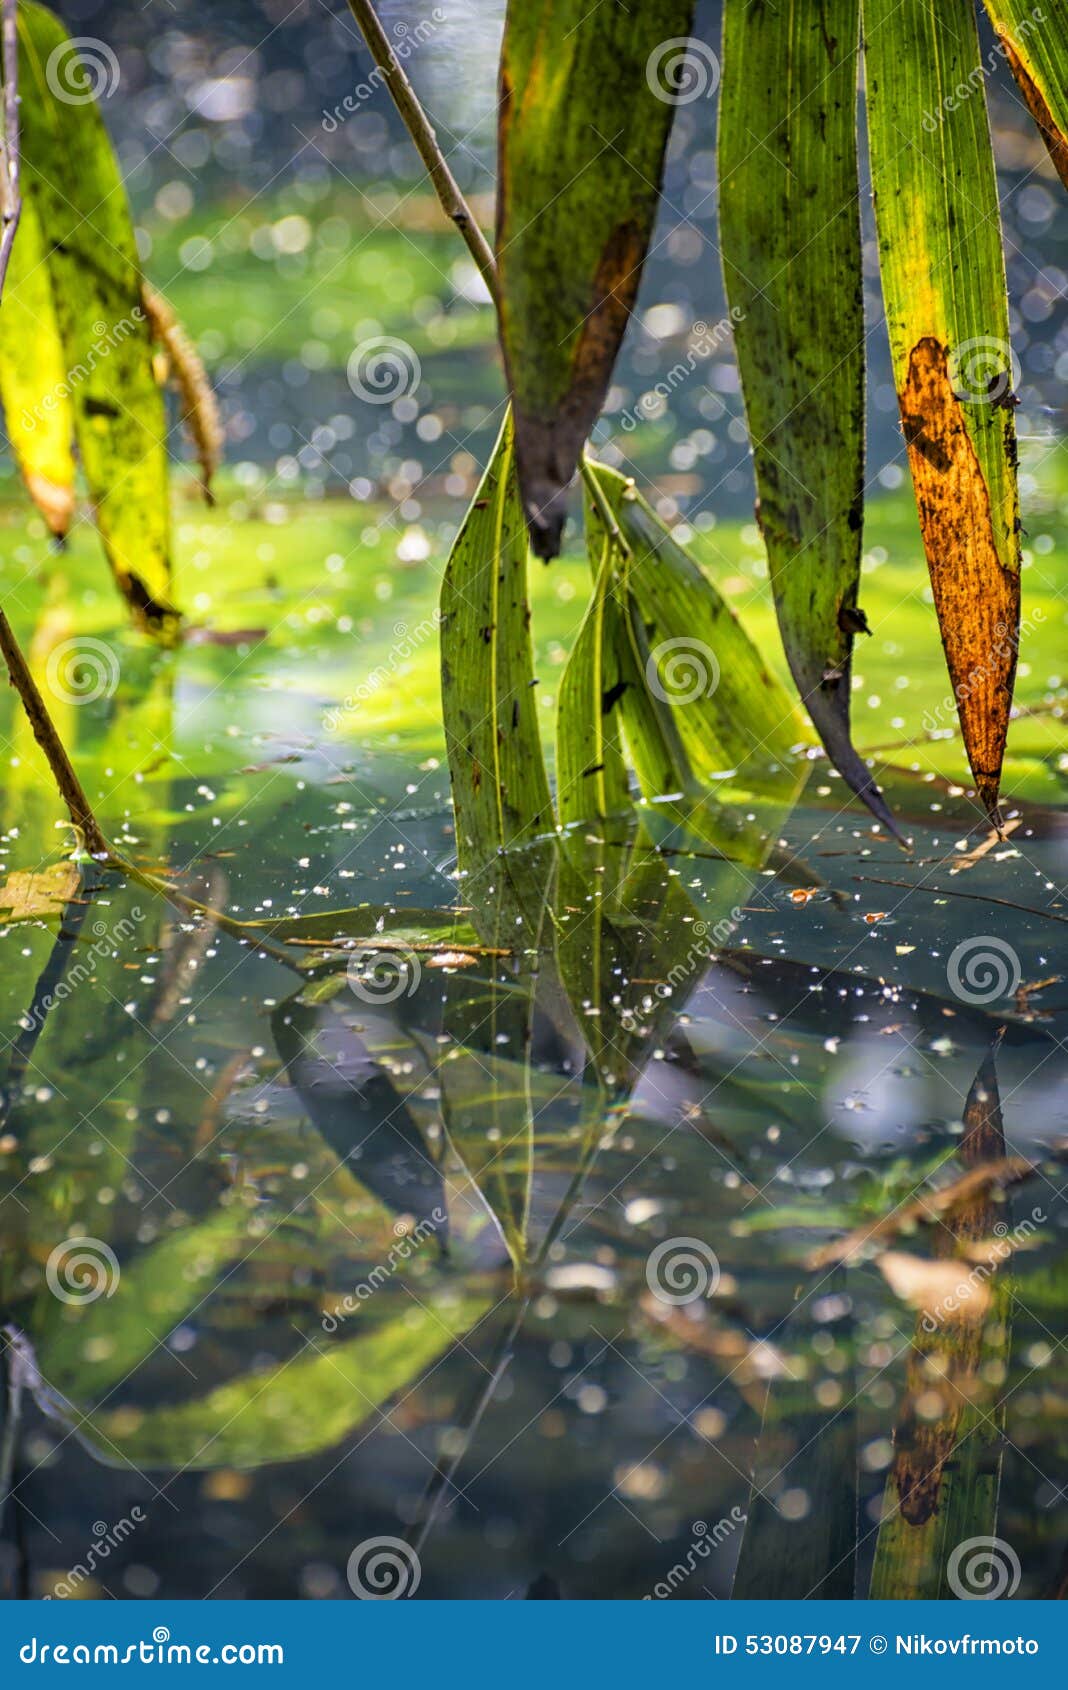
(976, 596)
(943, 277)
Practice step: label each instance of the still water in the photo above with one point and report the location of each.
(653, 1213)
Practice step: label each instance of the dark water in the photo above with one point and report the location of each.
(507, 1256)
(481, 1217)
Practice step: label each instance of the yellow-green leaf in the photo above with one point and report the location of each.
(71, 176)
(499, 785)
(38, 413)
(1035, 42)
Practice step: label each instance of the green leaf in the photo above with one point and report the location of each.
(591, 775)
(943, 275)
(1036, 46)
(499, 786)
(71, 176)
(790, 234)
(718, 704)
(306, 1404)
(38, 413)
(586, 103)
(86, 1350)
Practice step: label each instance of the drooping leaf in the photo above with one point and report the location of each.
(587, 96)
(790, 236)
(499, 786)
(71, 175)
(943, 276)
(1035, 42)
(38, 414)
(729, 711)
(657, 695)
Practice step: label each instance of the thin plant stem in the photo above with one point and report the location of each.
(450, 194)
(422, 133)
(79, 808)
(10, 153)
(83, 820)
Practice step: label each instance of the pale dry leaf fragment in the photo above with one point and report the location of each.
(933, 1287)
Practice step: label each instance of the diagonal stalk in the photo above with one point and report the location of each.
(422, 133)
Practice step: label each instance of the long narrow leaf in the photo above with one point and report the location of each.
(499, 786)
(1035, 42)
(38, 413)
(586, 102)
(71, 174)
(943, 276)
(591, 773)
(731, 713)
(304, 1405)
(790, 233)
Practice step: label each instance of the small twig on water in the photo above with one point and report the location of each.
(974, 897)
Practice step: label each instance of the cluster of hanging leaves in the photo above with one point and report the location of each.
(585, 115)
(79, 375)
